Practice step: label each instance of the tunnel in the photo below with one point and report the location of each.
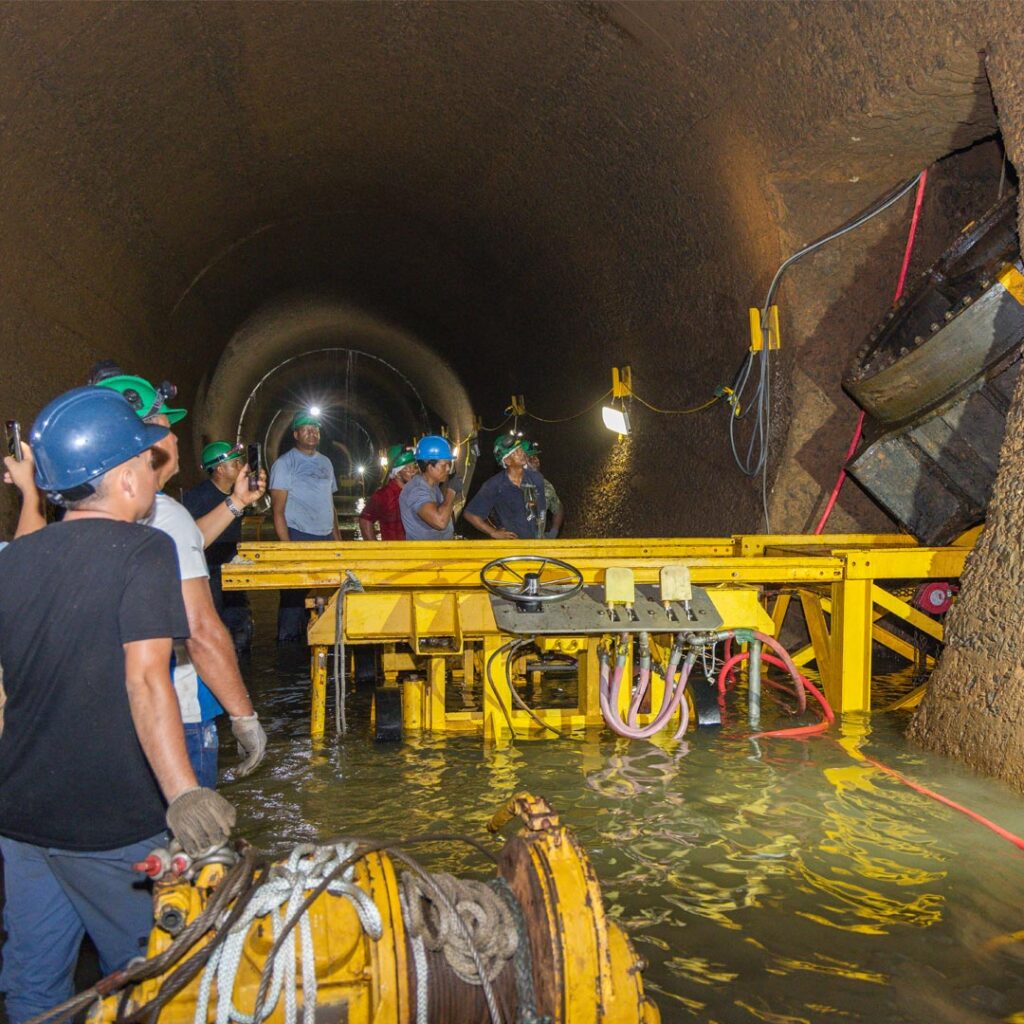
(412, 212)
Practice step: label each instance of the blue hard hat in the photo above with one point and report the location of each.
(433, 447)
(83, 433)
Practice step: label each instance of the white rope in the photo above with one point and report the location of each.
(286, 888)
(419, 956)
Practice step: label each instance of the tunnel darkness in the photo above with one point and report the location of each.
(493, 199)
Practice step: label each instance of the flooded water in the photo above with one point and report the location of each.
(777, 880)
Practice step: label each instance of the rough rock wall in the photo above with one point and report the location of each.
(974, 707)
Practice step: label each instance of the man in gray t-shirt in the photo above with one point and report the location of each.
(427, 500)
(302, 486)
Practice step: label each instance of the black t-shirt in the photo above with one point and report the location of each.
(72, 771)
(203, 498)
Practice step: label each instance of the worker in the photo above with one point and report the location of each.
(427, 501)
(511, 503)
(223, 461)
(381, 509)
(92, 753)
(302, 486)
(206, 675)
(555, 511)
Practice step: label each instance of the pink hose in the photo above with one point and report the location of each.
(609, 694)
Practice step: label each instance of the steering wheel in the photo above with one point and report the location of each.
(520, 579)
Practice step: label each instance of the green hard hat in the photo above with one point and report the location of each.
(394, 451)
(304, 418)
(531, 448)
(145, 399)
(403, 458)
(505, 446)
(217, 452)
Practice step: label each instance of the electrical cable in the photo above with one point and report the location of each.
(922, 181)
(755, 461)
(574, 416)
(675, 412)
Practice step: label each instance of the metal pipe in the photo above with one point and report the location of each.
(754, 685)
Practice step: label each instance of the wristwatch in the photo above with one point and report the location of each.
(233, 508)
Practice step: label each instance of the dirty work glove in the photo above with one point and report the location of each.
(454, 484)
(200, 819)
(252, 742)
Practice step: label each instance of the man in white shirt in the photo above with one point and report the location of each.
(209, 652)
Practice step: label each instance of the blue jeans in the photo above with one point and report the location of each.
(202, 743)
(53, 897)
(291, 614)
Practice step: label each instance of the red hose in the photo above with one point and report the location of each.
(855, 440)
(804, 730)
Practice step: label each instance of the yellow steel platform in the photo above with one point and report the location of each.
(425, 603)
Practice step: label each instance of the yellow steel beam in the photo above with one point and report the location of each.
(907, 564)
(758, 543)
(907, 612)
(821, 642)
(849, 688)
(449, 573)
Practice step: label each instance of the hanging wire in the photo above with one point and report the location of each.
(754, 461)
(491, 430)
(676, 412)
(574, 416)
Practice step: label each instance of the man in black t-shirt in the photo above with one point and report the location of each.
(223, 461)
(92, 748)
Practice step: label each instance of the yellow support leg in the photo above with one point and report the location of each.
(414, 696)
(588, 679)
(814, 616)
(435, 694)
(497, 703)
(318, 690)
(849, 686)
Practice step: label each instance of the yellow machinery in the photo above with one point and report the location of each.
(383, 941)
(427, 605)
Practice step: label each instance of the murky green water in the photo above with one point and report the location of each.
(777, 881)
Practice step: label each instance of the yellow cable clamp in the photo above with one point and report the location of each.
(764, 331)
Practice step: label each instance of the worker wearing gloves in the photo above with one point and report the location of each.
(556, 511)
(510, 504)
(208, 655)
(427, 501)
(223, 463)
(382, 509)
(92, 750)
(302, 486)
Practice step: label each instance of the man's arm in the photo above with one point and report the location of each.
(33, 505)
(211, 649)
(278, 500)
(481, 524)
(216, 521)
(366, 529)
(156, 715)
(335, 529)
(435, 515)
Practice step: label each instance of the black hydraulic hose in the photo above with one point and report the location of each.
(494, 688)
(516, 648)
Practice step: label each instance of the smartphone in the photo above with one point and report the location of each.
(252, 457)
(14, 439)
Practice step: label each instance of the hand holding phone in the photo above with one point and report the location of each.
(252, 458)
(14, 439)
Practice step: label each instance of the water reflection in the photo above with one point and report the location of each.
(782, 881)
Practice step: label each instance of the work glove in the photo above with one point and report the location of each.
(454, 484)
(252, 742)
(201, 820)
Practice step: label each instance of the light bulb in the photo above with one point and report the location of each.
(615, 419)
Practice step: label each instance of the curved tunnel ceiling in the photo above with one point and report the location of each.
(526, 194)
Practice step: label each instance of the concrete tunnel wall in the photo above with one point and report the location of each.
(534, 192)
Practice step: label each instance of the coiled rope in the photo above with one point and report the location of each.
(280, 897)
(487, 926)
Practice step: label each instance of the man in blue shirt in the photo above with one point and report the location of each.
(511, 504)
(302, 486)
(427, 501)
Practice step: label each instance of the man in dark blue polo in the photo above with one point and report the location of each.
(511, 503)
